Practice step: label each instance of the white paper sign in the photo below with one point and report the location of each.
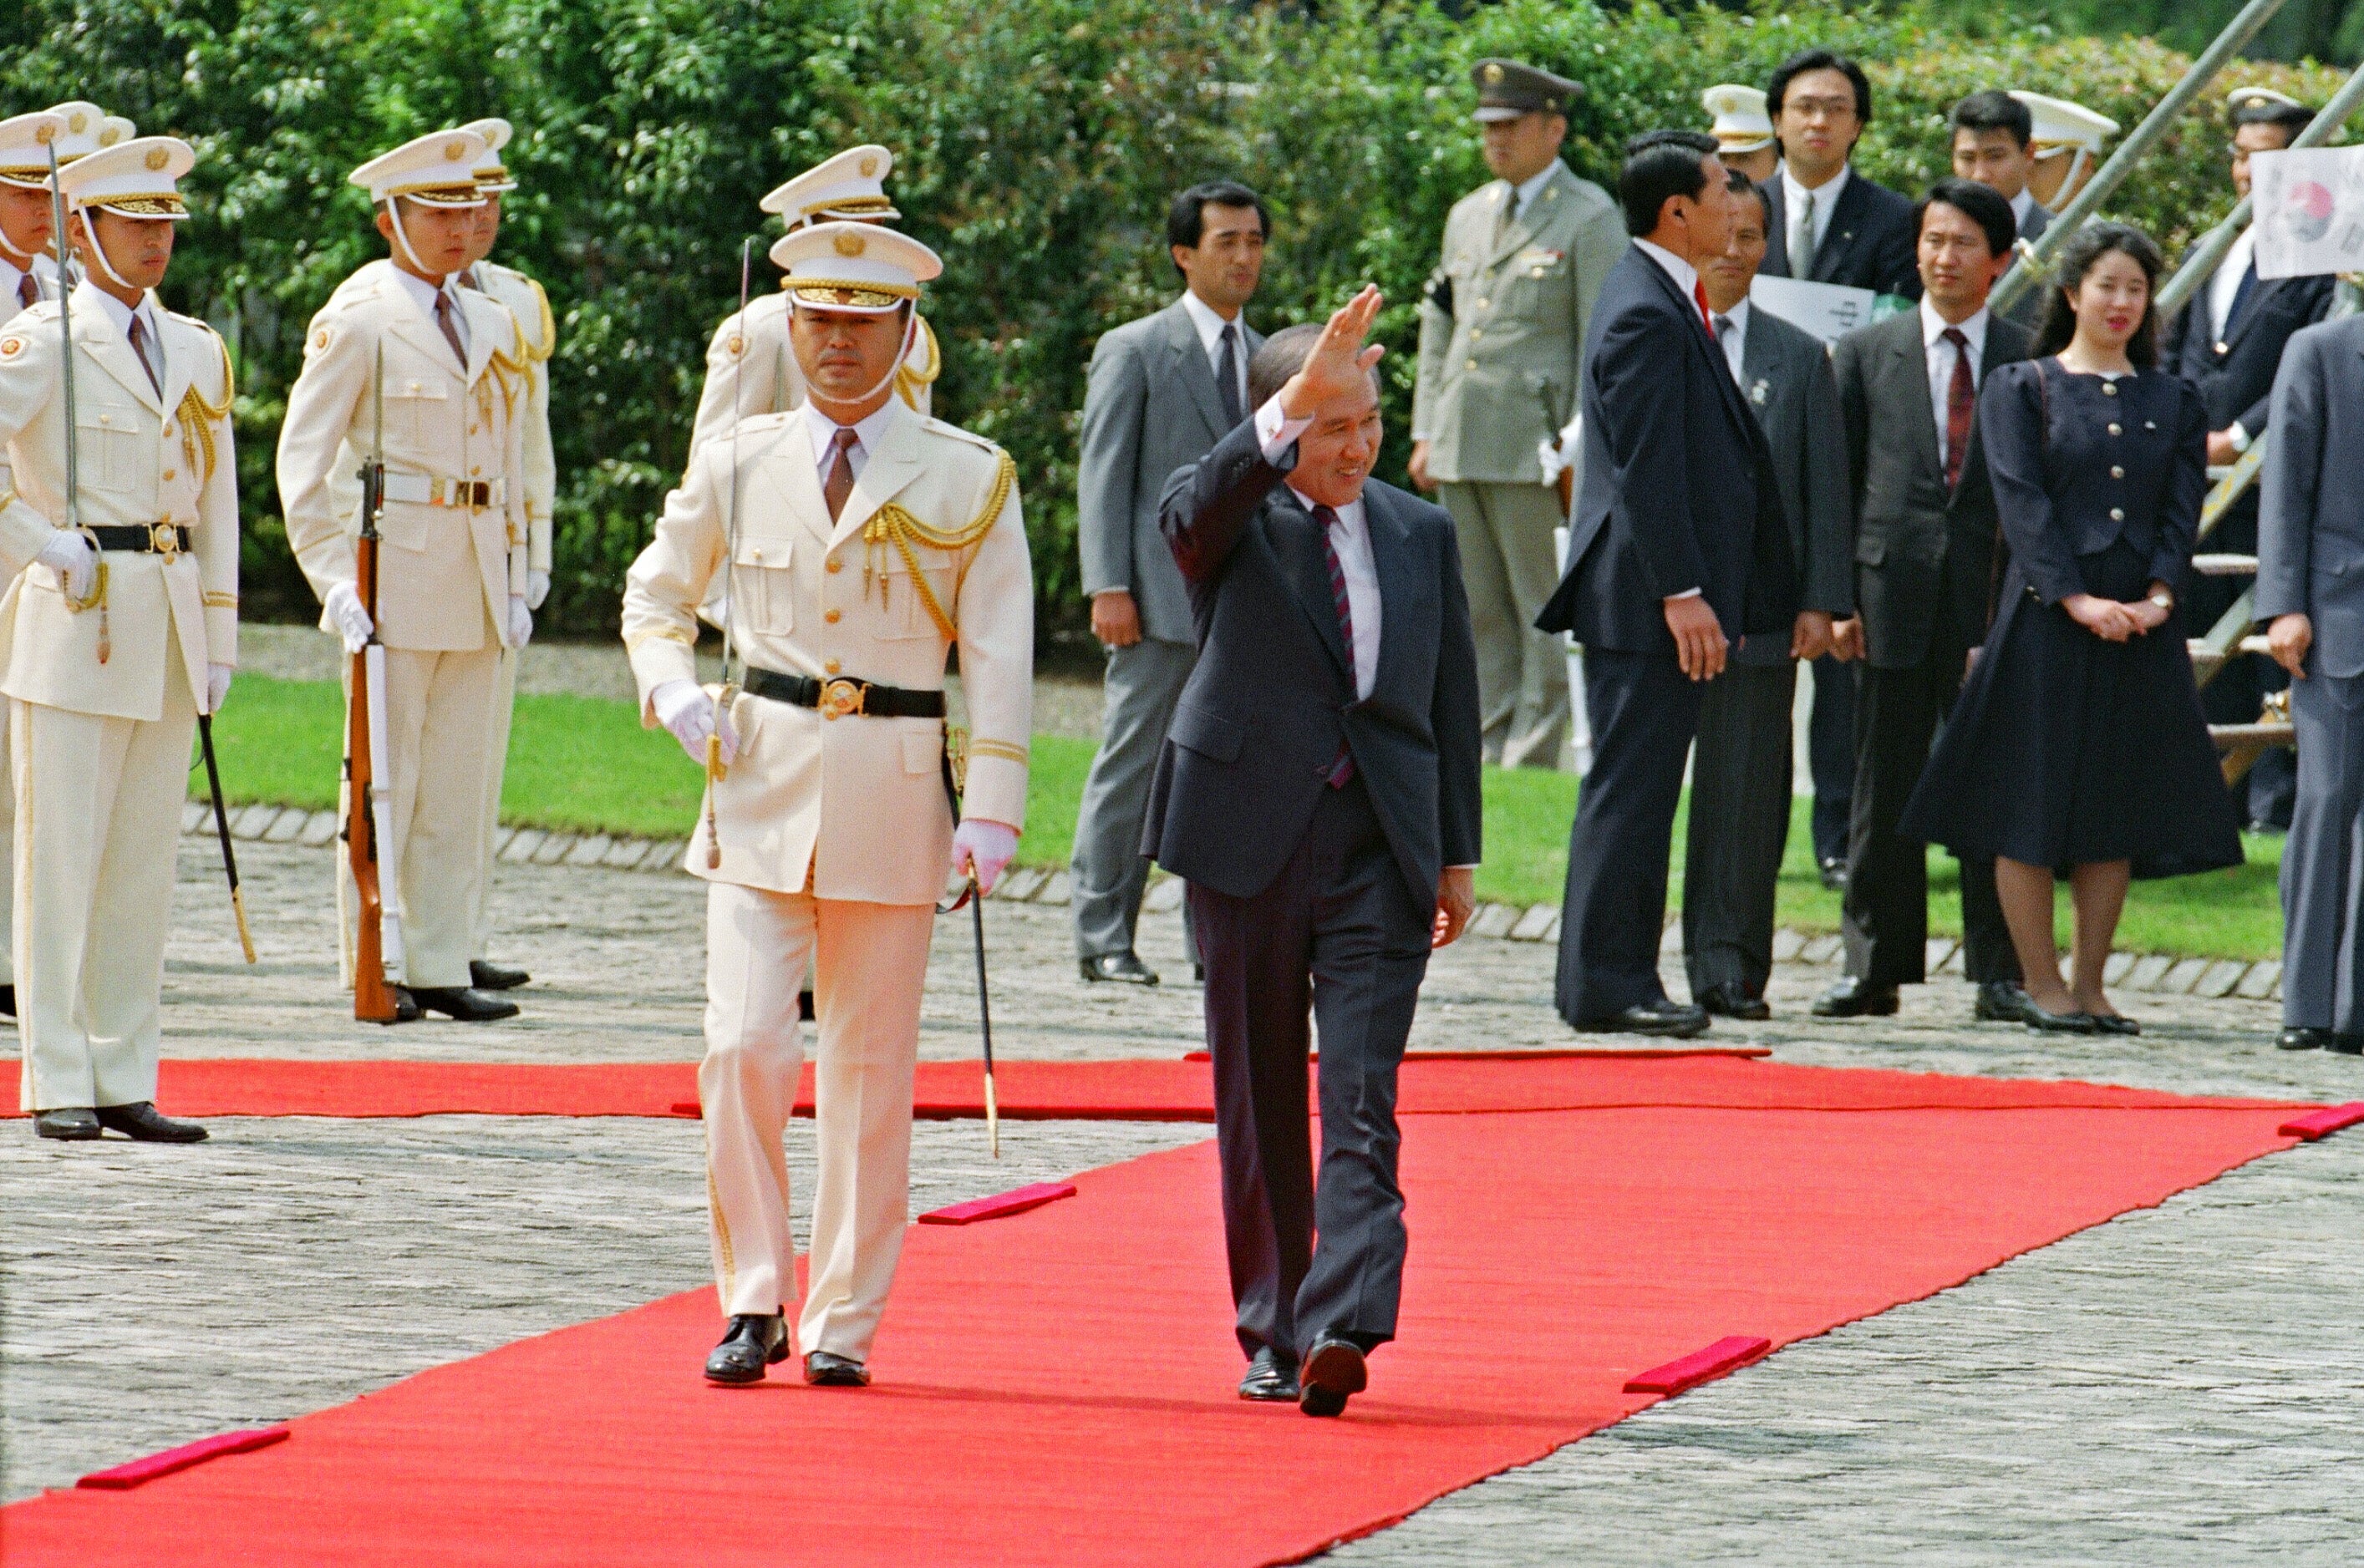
(1829, 311)
(2308, 206)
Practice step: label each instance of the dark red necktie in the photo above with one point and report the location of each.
(1961, 399)
(838, 487)
(28, 293)
(1698, 294)
(1342, 767)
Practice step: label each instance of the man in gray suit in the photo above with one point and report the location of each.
(1741, 762)
(1501, 345)
(1162, 392)
(2311, 593)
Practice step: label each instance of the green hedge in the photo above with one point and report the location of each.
(1037, 141)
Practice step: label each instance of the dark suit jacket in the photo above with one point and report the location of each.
(2238, 384)
(1258, 726)
(1925, 561)
(1868, 245)
(2032, 227)
(1787, 381)
(2310, 519)
(1678, 488)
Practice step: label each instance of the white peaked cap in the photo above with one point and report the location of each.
(435, 170)
(1741, 123)
(2260, 97)
(88, 129)
(492, 174)
(850, 186)
(24, 144)
(2063, 127)
(854, 266)
(139, 178)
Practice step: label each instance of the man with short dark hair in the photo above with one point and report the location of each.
(1925, 569)
(1677, 549)
(1740, 770)
(1994, 143)
(1162, 392)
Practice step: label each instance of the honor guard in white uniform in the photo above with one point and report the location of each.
(119, 628)
(532, 307)
(749, 366)
(862, 542)
(451, 587)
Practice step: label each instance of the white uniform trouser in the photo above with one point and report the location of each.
(99, 824)
(7, 857)
(439, 715)
(871, 964)
(480, 926)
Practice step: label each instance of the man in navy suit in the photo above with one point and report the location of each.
(1318, 791)
(1679, 548)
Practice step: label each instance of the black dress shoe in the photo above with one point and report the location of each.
(76, 1125)
(2045, 1022)
(1725, 1002)
(487, 975)
(2001, 1002)
(2113, 1023)
(825, 1370)
(142, 1122)
(2345, 1044)
(464, 1003)
(1664, 1016)
(753, 1341)
(1120, 966)
(2303, 1039)
(1270, 1379)
(406, 1005)
(1334, 1370)
(1854, 998)
(1834, 872)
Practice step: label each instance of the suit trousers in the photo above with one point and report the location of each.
(496, 759)
(98, 826)
(2322, 880)
(1108, 868)
(1509, 570)
(1337, 929)
(1829, 755)
(1739, 826)
(1645, 711)
(871, 965)
(1884, 915)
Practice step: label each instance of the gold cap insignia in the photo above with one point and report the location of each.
(11, 347)
(158, 158)
(849, 245)
(1493, 74)
(454, 150)
(108, 136)
(869, 167)
(46, 135)
(77, 122)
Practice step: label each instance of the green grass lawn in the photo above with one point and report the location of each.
(584, 764)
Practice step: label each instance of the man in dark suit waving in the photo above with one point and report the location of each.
(1318, 790)
(1677, 549)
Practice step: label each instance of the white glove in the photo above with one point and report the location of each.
(344, 609)
(68, 555)
(521, 621)
(984, 850)
(536, 589)
(685, 708)
(216, 685)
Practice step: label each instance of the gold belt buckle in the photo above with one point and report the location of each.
(840, 698)
(164, 539)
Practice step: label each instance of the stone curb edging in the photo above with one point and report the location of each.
(2259, 981)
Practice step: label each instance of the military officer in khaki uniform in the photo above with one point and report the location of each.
(115, 635)
(1502, 344)
(532, 307)
(862, 542)
(749, 366)
(452, 583)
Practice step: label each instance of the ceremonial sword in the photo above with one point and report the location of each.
(66, 391)
(221, 825)
(715, 769)
(955, 782)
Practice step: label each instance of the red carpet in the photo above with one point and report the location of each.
(1055, 1387)
(1160, 1090)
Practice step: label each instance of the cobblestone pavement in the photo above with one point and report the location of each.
(2178, 1384)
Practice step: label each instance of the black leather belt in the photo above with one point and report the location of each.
(841, 695)
(158, 539)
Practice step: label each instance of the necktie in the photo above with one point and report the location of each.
(1801, 238)
(140, 348)
(840, 482)
(451, 327)
(1227, 375)
(2241, 292)
(28, 293)
(1707, 317)
(1960, 400)
(1342, 767)
(1721, 326)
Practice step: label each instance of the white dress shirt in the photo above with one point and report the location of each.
(1940, 356)
(1210, 337)
(2226, 282)
(822, 430)
(1734, 338)
(1523, 195)
(1352, 537)
(121, 313)
(424, 293)
(1826, 198)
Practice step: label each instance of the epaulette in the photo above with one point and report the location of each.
(970, 437)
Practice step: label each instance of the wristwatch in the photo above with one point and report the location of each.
(2164, 600)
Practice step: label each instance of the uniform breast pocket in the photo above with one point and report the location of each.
(414, 410)
(762, 591)
(908, 613)
(108, 439)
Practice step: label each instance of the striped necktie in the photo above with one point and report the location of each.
(1342, 767)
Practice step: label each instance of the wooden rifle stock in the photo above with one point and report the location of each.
(372, 997)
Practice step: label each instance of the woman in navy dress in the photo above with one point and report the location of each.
(2077, 747)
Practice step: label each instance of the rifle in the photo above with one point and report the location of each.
(369, 829)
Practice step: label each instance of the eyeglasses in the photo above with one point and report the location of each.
(1819, 108)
